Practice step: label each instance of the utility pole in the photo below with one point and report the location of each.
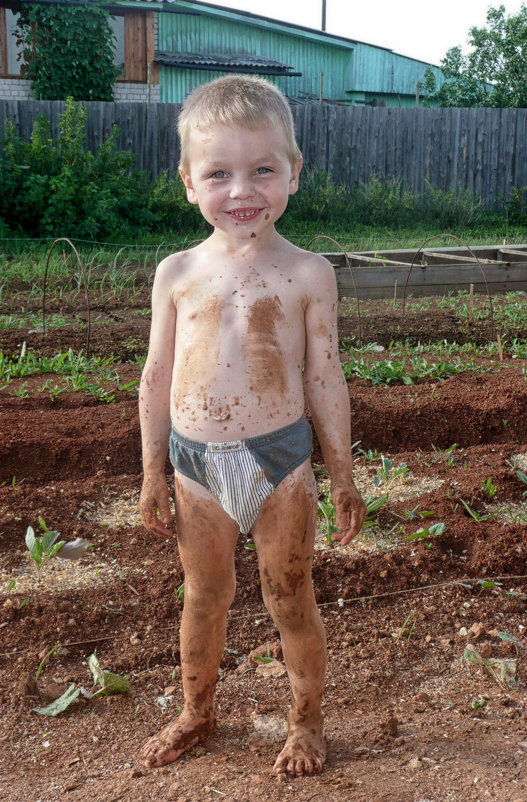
(323, 15)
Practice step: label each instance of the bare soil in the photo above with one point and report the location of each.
(407, 719)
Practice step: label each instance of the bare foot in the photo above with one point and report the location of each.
(304, 752)
(178, 736)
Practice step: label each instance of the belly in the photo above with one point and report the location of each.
(230, 400)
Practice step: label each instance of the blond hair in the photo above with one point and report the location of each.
(236, 100)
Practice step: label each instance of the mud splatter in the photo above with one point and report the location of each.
(262, 347)
(193, 365)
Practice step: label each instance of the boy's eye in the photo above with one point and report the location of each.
(219, 174)
(263, 170)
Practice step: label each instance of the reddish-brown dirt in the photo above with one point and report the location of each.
(407, 720)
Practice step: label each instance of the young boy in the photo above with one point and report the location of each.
(234, 322)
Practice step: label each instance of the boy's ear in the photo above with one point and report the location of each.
(295, 175)
(191, 195)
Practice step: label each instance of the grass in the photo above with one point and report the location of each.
(119, 266)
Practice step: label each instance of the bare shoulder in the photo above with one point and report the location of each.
(313, 270)
(173, 266)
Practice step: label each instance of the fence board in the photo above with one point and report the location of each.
(484, 150)
(379, 282)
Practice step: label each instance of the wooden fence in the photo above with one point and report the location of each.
(483, 150)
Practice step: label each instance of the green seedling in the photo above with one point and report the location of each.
(447, 453)
(476, 515)
(504, 636)
(400, 632)
(179, 592)
(11, 585)
(415, 514)
(387, 473)
(480, 702)
(436, 530)
(44, 547)
(41, 666)
(485, 584)
(489, 487)
(327, 508)
(266, 659)
(369, 455)
(373, 507)
(523, 478)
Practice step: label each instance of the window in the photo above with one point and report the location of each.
(134, 44)
(9, 47)
(117, 25)
(134, 34)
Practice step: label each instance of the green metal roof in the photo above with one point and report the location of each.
(347, 70)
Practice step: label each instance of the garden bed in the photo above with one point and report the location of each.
(406, 717)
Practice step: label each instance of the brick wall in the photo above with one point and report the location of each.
(137, 93)
(15, 89)
(20, 89)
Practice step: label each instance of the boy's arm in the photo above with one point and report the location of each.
(328, 400)
(154, 404)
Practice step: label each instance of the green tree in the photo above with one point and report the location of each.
(494, 72)
(68, 50)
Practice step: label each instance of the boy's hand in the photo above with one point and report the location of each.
(154, 505)
(350, 511)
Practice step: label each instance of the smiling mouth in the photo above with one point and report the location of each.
(244, 215)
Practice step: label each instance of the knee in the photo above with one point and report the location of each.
(290, 612)
(210, 598)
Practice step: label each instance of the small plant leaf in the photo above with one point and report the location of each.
(61, 704)
(436, 530)
(48, 539)
(110, 683)
(30, 539)
(510, 639)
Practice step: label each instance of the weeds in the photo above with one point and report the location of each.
(399, 633)
(488, 487)
(474, 514)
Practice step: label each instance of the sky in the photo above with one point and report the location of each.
(422, 29)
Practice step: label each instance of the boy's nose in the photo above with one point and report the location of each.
(242, 187)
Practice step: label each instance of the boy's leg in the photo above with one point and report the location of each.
(284, 536)
(206, 540)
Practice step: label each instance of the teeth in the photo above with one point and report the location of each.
(243, 214)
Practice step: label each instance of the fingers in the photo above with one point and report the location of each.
(154, 507)
(350, 512)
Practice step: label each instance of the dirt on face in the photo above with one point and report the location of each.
(407, 718)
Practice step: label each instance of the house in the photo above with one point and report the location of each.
(165, 48)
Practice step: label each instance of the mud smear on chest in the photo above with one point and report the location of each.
(194, 371)
(265, 358)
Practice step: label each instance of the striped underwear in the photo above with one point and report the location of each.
(241, 474)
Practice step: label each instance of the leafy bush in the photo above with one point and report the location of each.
(383, 203)
(58, 188)
(453, 208)
(169, 207)
(319, 200)
(68, 51)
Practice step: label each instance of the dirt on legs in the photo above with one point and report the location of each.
(284, 536)
(206, 541)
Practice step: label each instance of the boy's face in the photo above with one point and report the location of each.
(241, 178)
